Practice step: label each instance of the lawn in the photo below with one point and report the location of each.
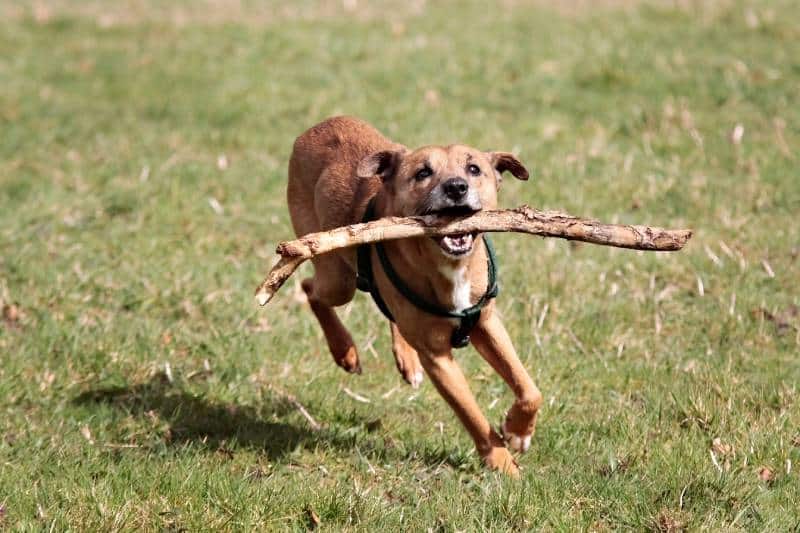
(142, 174)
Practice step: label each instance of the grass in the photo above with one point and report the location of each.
(142, 174)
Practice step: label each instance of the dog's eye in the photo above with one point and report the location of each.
(474, 170)
(423, 173)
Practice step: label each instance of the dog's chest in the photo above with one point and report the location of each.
(461, 293)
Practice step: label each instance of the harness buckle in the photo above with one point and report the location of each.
(459, 338)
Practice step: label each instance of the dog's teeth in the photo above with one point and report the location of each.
(457, 244)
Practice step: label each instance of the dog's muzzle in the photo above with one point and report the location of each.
(453, 198)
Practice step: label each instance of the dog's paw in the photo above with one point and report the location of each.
(518, 443)
(349, 360)
(500, 459)
(412, 376)
(410, 368)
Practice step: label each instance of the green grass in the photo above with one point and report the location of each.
(113, 264)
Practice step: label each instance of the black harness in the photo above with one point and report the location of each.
(467, 318)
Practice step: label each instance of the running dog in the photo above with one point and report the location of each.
(437, 292)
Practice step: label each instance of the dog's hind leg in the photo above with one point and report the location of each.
(406, 358)
(492, 341)
(333, 284)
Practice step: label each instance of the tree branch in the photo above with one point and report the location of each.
(520, 220)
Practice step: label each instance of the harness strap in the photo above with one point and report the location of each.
(467, 318)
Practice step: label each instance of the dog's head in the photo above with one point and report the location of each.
(453, 180)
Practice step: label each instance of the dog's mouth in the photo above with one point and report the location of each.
(456, 245)
(460, 244)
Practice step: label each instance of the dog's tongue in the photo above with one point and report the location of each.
(458, 241)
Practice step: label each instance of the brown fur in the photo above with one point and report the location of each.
(335, 169)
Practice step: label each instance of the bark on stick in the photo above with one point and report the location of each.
(520, 220)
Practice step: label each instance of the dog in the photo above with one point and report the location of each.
(342, 169)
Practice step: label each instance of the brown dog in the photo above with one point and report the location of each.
(336, 169)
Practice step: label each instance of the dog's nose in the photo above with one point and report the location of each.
(455, 188)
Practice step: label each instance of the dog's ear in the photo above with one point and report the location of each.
(383, 164)
(506, 161)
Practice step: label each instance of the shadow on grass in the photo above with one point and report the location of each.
(214, 425)
(197, 419)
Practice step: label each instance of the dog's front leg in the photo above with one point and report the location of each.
(406, 358)
(452, 385)
(493, 343)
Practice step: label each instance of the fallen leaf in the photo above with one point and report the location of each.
(87, 434)
(691, 366)
(216, 206)
(256, 472)
(737, 134)
(766, 474)
(615, 465)
(313, 518)
(47, 380)
(227, 452)
(432, 97)
(720, 447)
(166, 338)
(12, 315)
(724, 451)
(783, 320)
(667, 522)
(11, 312)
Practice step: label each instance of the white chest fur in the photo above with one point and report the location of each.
(461, 286)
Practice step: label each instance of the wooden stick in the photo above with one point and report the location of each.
(520, 220)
